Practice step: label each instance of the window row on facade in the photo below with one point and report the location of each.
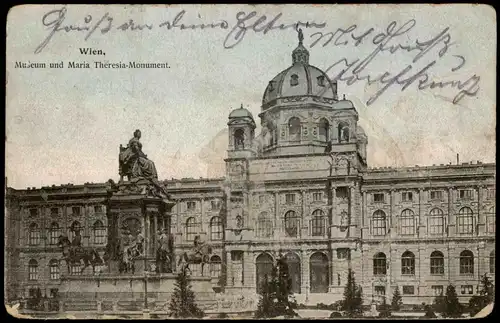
(433, 195)
(73, 211)
(55, 271)
(436, 267)
(436, 222)
(98, 231)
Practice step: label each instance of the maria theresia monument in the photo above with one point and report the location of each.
(140, 246)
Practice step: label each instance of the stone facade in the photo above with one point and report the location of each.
(303, 189)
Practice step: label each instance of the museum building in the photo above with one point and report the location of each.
(302, 189)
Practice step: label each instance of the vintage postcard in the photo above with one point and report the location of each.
(250, 161)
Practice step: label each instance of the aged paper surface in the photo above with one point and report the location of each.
(239, 161)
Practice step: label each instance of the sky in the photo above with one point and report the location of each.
(65, 125)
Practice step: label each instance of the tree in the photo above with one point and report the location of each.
(448, 305)
(429, 312)
(397, 300)
(485, 297)
(182, 304)
(353, 301)
(276, 292)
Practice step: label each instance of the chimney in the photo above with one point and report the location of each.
(458, 159)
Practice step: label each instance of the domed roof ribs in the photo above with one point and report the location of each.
(308, 77)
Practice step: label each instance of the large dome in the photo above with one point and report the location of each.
(300, 79)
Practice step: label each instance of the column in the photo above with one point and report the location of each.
(229, 269)
(303, 224)
(249, 269)
(147, 232)
(155, 230)
(421, 225)
(277, 227)
(481, 221)
(363, 214)
(352, 226)
(304, 267)
(203, 220)
(391, 225)
(451, 218)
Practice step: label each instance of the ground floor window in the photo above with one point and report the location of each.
(319, 270)
(293, 262)
(264, 266)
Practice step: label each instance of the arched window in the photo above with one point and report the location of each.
(34, 234)
(380, 264)
(264, 267)
(294, 80)
(216, 231)
(294, 129)
(343, 132)
(99, 232)
(379, 223)
(492, 262)
(264, 226)
(215, 266)
(55, 232)
(191, 229)
(465, 221)
(437, 263)
(54, 269)
(239, 139)
(318, 264)
(318, 224)
(291, 224)
(324, 130)
(293, 262)
(33, 270)
(408, 263)
(75, 227)
(491, 220)
(466, 263)
(407, 222)
(436, 221)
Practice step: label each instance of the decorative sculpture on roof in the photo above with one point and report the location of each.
(140, 171)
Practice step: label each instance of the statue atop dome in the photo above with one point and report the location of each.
(300, 54)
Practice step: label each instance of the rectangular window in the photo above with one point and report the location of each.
(437, 290)
(75, 270)
(33, 272)
(97, 208)
(378, 198)
(343, 253)
(54, 211)
(490, 224)
(317, 197)
(491, 193)
(33, 212)
(191, 205)
(290, 198)
(407, 196)
(436, 195)
(75, 210)
(466, 290)
(54, 271)
(215, 205)
(465, 194)
(380, 290)
(342, 192)
(408, 290)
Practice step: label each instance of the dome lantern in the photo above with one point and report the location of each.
(300, 55)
